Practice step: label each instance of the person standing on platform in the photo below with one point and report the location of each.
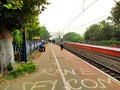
(61, 44)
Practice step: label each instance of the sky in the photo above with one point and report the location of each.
(74, 15)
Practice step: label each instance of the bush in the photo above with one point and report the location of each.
(104, 43)
(10, 67)
(22, 69)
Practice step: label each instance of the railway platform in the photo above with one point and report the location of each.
(61, 70)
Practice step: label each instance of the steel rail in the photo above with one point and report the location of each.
(94, 59)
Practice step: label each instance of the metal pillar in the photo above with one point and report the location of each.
(24, 49)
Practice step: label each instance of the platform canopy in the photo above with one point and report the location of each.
(36, 38)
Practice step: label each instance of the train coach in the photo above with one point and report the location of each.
(101, 49)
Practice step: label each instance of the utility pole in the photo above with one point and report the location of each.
(59, 35)
(24, 49)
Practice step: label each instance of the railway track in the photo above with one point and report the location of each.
(108, 64)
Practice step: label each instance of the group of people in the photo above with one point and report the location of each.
(42, 46)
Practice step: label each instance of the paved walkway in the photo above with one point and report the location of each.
(61, 70)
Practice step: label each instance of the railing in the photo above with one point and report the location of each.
(30, 46)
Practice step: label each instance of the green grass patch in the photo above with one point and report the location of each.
(21, 69)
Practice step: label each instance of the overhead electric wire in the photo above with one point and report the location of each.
(91, 21)
(72, 14)
(80, 14)
(83, 5)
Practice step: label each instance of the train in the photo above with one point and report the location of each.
(101, 49)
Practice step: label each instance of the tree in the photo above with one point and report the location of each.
(39, 31)
(93, 33)
(16, 14)
(115, 12)
(98, 32)
(17, 37)
(116, 33)
(45, 33)
(107, 30)
(72, 37)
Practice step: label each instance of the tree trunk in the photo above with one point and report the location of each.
(6, 50)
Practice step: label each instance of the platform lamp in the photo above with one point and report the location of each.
(60, 34)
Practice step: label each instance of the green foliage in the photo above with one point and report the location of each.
(104, 33)
(21, 69)
(110, 42)
(16, 14)
(93, 32)
(116, 33)
(45, 33)
(41, 32)
(28, 67)
(115, 12)
(73, 37)
(99, 32)
(13, 4)
(17, 37)
(104, 42)
(10, 67)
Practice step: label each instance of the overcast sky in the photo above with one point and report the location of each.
(74, 15)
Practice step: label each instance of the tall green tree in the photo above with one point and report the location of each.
(115, 12)
(16, 14)
(93, 33)
(116, 33)
(98, 32)
(45, 33)
(73, 37)
(106, 30)
(39, 31)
